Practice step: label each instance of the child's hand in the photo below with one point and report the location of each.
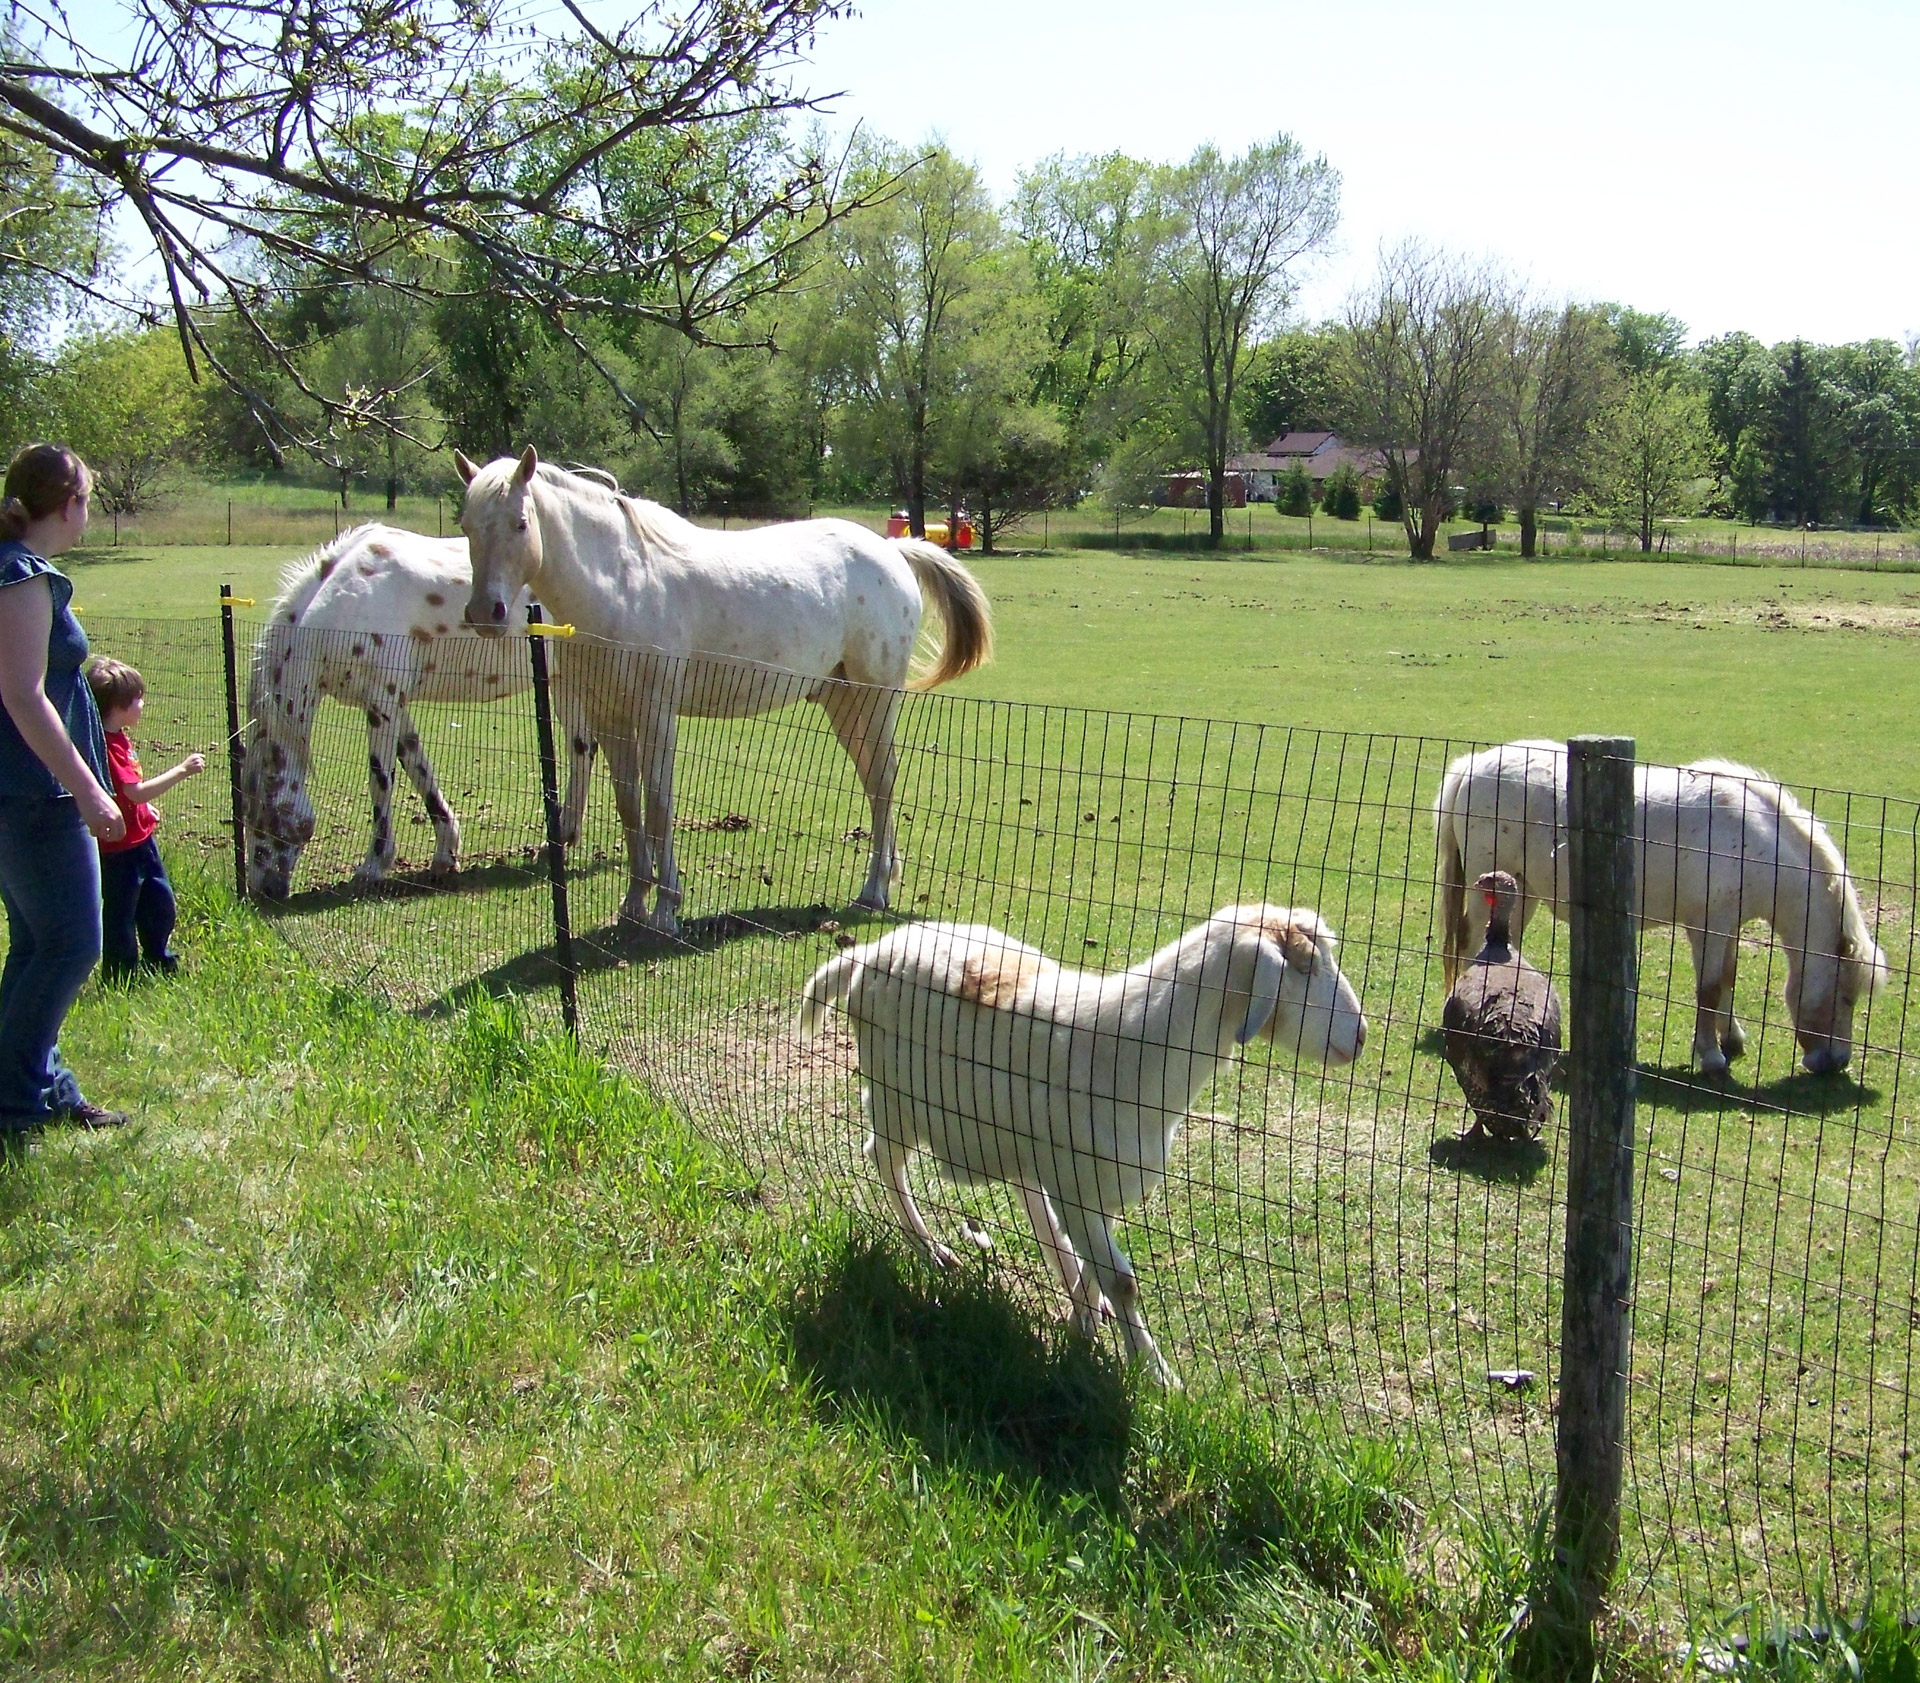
(194, 764)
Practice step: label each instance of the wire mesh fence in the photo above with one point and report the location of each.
(1322, 1243)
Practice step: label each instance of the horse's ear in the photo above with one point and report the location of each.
(467, 469)
(528, 463)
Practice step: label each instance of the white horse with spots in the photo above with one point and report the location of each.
(735, 623)
(1720, 845)
(373, 620)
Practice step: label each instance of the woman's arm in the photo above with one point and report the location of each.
(26, 620)
(162, 781)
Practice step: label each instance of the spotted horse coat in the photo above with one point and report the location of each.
(373, 620)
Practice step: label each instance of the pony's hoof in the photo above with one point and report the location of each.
(1734, 1042)
(1826, 1060)
(871, 900)
(367, 874)
(442, 870)
(1714, 1067)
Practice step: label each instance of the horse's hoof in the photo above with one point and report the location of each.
(1825, 1060)
(442, 870)
(369, 876)
(1734, 1043)
(1713, 1068)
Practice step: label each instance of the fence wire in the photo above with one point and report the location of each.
(1323, 1243)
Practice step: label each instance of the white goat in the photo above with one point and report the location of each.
(1069, 1085)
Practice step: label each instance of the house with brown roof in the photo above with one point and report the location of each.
(1321, 453)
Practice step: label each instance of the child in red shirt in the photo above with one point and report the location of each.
(136, 900)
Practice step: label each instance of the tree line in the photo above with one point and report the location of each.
(636, 252)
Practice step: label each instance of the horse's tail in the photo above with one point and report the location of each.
(963, 612)
(827, 987)
(1450, 870)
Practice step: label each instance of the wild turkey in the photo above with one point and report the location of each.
(1502, 1024)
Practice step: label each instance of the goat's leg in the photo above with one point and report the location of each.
(1057, 1247)
(383, 737)
(1094, 1233)
(419, 770)
(863, 719)
(889, 1157)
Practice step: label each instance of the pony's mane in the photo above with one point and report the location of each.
(1857, 946)
(300, 579)
(656, 525)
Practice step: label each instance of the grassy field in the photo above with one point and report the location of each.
(1319, 1247)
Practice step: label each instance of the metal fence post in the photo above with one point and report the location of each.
(1596, 1296)
(550, 797)
(234, 747)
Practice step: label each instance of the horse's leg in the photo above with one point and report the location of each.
(570, 720)
(623, 762)
(383, 737)
(1709, 971)
(863, 719)
(1733, 1038)
(656, 765)
(419, 770)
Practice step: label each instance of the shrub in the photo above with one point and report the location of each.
(1341, 498)
(1294, 494)
(1386, 503)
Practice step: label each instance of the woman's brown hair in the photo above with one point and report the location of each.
(41, 480)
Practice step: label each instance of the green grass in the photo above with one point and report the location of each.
(1369, 1282)
(382, 1348)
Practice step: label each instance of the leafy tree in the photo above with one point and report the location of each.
(1421, 354)
(1091, 229)
(1239, 231)
(1550, 386)
(1808, 437)
(1880, 421)
(1294, 494)
(923, 282)
(1386, 503)
(1645, 342)
(1657, 444)
(1293, 383)
(124, 402)
(258, 152)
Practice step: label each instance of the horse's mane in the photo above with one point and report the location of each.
(300, 582)
(1857, 945)
(656, 525)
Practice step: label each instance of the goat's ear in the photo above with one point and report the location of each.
(466, 467)
(1269, 968)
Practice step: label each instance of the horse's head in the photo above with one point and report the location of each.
(277, 813)
(503, 536)
(1840, 966)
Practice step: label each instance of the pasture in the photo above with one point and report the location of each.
(1359, 1272)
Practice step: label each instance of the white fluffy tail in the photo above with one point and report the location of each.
(827, 987)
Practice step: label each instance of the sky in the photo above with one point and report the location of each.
(1750, 165)
(1740, 166)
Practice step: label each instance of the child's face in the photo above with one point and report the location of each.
(125, 718)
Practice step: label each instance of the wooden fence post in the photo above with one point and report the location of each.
(1596, 1295)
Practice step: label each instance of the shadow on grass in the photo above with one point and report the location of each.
(1680, 1087)
(1490, 1160)
(955, 1370)
(422, 884)
(965, 1375)
(616, 944)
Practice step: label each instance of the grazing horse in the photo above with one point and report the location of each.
(1720, 845)
(371, 620)
(734, 623)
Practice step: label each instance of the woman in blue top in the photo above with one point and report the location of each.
(53, 771)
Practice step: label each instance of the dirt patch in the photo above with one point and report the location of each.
(1887, 618)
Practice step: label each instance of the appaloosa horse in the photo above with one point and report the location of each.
(372, 619)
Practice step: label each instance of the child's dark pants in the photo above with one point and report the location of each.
(137, 910)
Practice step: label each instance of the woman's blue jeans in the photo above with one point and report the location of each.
(50, 881)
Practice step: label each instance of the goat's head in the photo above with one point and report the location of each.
(1295, 991)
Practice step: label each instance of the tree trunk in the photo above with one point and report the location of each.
(917, 483)
(1217, 505)
(1422, 538)
(986, 525)
(393, 493)
(953, 525)
(1526, 513)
